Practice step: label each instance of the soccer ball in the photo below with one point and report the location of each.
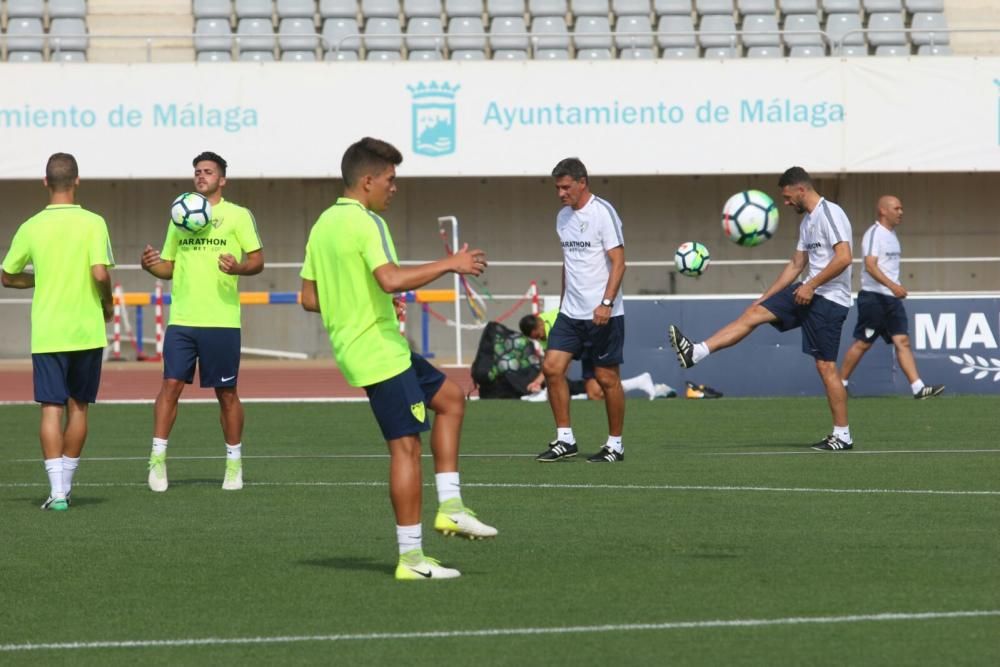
(692, 258)
(191, 212)
(750, 218)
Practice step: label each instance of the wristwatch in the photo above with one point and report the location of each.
(607, 302)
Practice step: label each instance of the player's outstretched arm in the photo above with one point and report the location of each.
(309, 297)
(394, 278)
(154, 264)
(23, 280)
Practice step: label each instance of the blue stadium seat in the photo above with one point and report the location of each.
(717, 31)
(676, 32)
(425, 34)
(383, 34)
(468, 54)
(212, 35)
(841, 6)
(507, 33)
(254, 9)
(631, 7)
(338, 9)
(844, 29)
(914, 6)
(590, 8)
(384, 56)
(663, 7)
(459, 8)
(547, 7)
(257, 56)
(549, 32)
(890, 21)
(340, 56)
(25, 9)
(552, 54)
(74, 9)
(295, 9)
(206, 9)
(422, 8)
(633, 32)
(755, 7)
(873, 6)
(383, 9)
(765, 52)
(593, 54)
(807, 51)
(466, 33)
(497, 8)
(893, 51)
(69, 57)
(297, 35)
(25, 57)
(679, 53)
(761, 30)
(25, 34)
(424, 55)
(802, 30)
(721, 53)
(798, 6)
(637, 54)
(340, 34)
(714, 7)
(510, 54)
(255, 34)
(68, 35)
(214, 57)
(592, 32)
(296, 56)
(935, 25)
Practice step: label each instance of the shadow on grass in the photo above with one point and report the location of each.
(351, 563)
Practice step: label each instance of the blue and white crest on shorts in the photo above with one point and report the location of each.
(433, 118)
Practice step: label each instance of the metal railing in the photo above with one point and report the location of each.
(446, 42)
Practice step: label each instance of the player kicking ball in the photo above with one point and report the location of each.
(349, 276)
(818, 305)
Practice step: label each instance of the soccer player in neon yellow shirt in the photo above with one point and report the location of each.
(204, 315)
(349, 276)
(71, 253)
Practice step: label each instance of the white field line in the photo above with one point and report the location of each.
(575, 487)
(503, 632)
(90, 459)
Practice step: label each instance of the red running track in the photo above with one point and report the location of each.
(272, 380)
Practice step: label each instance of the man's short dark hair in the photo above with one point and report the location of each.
(209, 156)
(368, 157)
(528, 324)
(572, 167)
(795, 176)
(61, 172)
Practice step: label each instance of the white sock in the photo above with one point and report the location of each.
(447, 486)
(845, 383)
(844, 433)
(233, 451)
(54, 468)
(69, 467)
(642, 382)
(159, 445)
(409, 538)
(615, 443)
(565, 435)
(699, 352)
(917, 386)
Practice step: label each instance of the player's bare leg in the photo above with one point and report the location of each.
(609, 378)
(50, 433)
(740, 328)
(405, 482)
(554, 367)
(904, 355)
(230, 414)
(836, 396)
(75, 432)
(852, 357)
(448, 405)
(165, 408)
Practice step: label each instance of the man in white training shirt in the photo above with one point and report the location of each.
(591, 316)
(818, 305)
(880, 302)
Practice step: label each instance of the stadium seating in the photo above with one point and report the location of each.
(512, 29)
(214, 57)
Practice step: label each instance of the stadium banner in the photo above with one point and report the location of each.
(955, 341)
(294, 120)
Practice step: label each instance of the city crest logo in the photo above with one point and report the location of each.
(433, 118)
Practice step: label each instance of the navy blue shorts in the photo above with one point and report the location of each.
(60, 376)
(601, 345)
(880, 315)
(821, 320)
(400, 403)
(216, 349)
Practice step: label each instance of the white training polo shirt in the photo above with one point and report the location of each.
(586, 236)
(819, 231)
(882, 243)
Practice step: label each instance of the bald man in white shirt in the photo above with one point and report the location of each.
(881, 313)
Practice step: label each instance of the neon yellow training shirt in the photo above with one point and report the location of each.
(549, 318)
(201, 294)
(345, 245)
(62, 242)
